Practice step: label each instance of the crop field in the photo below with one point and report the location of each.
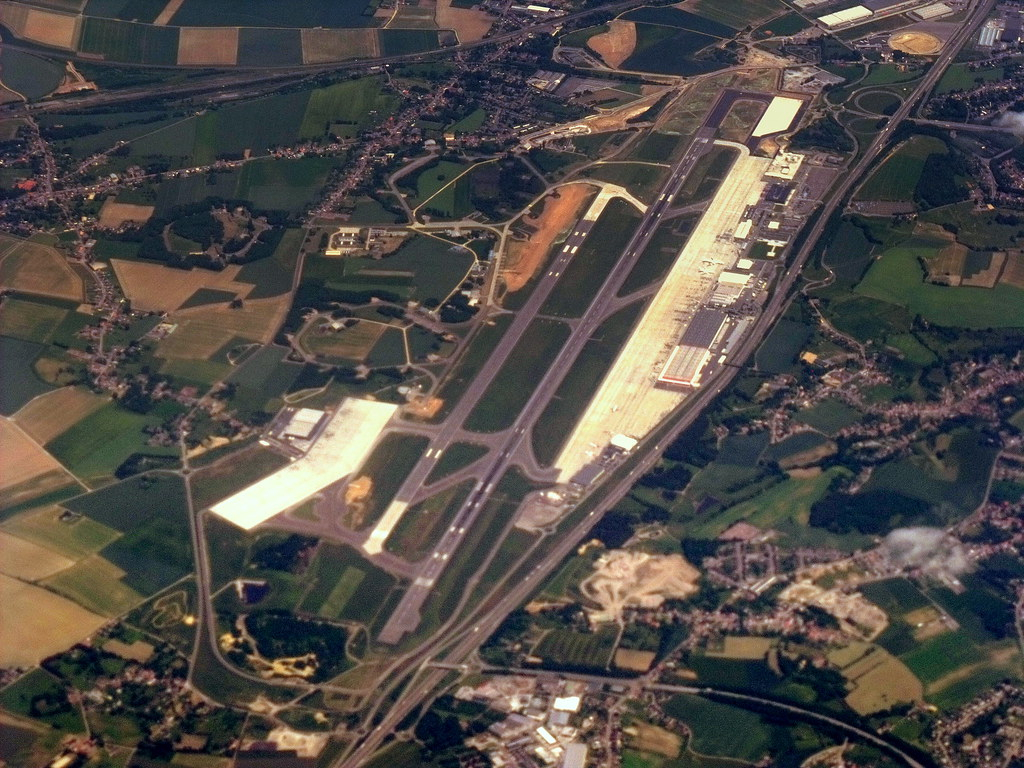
(570, 400)
(96, 445)
(282, 184)
(18, 381)
(782, 26)
(736, 13)
(73, 539)
(422, 525)
(880, 681)
(667, 51)
(674, 17)
(898, 278)
(29, 321)
(210, 46)
(398, 42)
(97, 585)
(897, 597)
(800, 449)
(273, 276)
(157, 288)
(267, 13)
(323, 45)
(577, 650)
(28, 561)
(204, 330)
(264, 47)
(525, 366)
(963, 76)
(24, 461)
(789, 500)
(129, 42)
(719, 729)
(47, 623)
(897, 177)
(828, 416)
(32, 76)
(590, 266)
(778, 352)
(356, 103)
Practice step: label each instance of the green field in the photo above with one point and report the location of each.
(19, 382)
(284, 184)
(31, 76)
(590, 266)
(73, 539)
(719, 729)
(29, 320)
(340, 581)
(570, 400)
(897, 277)
(669, 51)
(737, 13)
(95, 446)
(964, 76)
(232, 473)
(565, 648)
(659, 255)
(129, 42)
(642, 180)
(398, 42)
(472, 361)
(470, 123)
(897, 177)
(267, 13)
(347, 108)
(707, 175)
(41, 685)
(828, 416)
(526, 365)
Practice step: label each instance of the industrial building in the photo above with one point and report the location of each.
(729, 288)
(685, 366)
(845, 16)
(933, 11)
(990, 33)
(303, 423)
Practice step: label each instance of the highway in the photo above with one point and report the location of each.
(455, 643)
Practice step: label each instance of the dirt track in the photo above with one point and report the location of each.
(525, 257)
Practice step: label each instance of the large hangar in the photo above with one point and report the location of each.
(686, 365)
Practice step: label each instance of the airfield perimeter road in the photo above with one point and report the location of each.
(459, 642)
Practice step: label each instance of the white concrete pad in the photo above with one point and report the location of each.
(340, 450)
(778, 117)
(374, 545)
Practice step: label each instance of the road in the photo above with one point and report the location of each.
(461, 640)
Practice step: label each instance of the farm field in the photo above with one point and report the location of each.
(96, 445)
(898, 278)
(323, 45)
(156, 288)
(669, 51)
(348, 13)
(47, 623)
(19, 382)
(346, 108)
(73, 539)
(129, 42)
(28, 561)
(576, 650)
(897, 177)
(202, 331)
(97, 585)
(735, 13)
(30, 267)
(29, 472)
(31, 76)
(721, 730)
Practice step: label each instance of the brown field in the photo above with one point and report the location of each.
(213, 46)
(744, 647)
(524, 258)
(49, 415)
(654, 739)
(113, 214)
(156, 288)
(37, 268)
(24, 560)
(413, 17)
(320, 45)
(469, 24)
(49, 28)
(14, 17)
(167, 13)
(35, 623)
(617, 44)
(21, 458)
(879, 682)
(1013, 272)
(203, 330)
(915, 43)
(635, 661)
(987, 278)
